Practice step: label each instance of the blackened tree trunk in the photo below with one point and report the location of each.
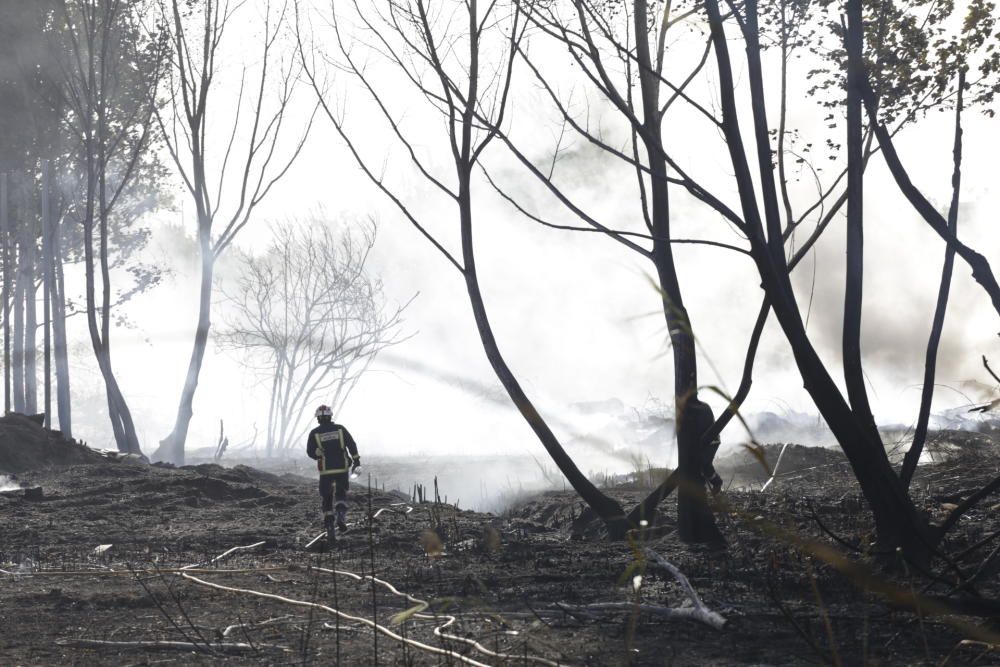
(694, 518)
(853, 289)
(937, 326)
(896, 520)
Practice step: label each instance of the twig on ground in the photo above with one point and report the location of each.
(967, 504)
(700, 611)
(971, 643)
(978, 545)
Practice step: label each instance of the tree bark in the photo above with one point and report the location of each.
(853, 289)
(60, 347)
(30, 315)
(17, 353)
(930, 362)
(694, 518)
(647, 508)
(896, 520)
(5, 240)
(171, 448)
(47, 284)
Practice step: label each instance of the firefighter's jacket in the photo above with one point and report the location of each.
(332, 445)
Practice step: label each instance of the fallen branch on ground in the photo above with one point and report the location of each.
(703, 613)
(968, 504)
(698, 611)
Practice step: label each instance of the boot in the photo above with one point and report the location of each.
(342, 517)
(331, 531)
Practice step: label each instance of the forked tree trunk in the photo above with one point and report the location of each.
(896, 520)
(118, 413)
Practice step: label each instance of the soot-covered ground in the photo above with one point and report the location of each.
(509, 589)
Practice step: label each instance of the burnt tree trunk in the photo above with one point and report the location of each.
(853, 289)
(896, 520)
(695, 521)
(709, 439)
(930, 362)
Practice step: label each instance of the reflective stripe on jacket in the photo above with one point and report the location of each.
(332, 445)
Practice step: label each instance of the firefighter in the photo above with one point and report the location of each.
(337, 459)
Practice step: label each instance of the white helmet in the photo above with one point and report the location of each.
(324, 411)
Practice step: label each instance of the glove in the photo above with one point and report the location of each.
(356, 467)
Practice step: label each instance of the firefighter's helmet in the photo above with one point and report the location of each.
(324, 411)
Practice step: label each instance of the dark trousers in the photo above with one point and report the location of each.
(334, 486)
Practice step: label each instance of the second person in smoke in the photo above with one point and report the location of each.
(336, 455)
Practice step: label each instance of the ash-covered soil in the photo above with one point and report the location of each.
(515, 583)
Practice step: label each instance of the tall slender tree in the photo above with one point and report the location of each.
(112, 69)
(226, 192)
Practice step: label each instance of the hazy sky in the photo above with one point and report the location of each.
(574, 313)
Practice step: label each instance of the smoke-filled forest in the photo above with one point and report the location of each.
(499, 332)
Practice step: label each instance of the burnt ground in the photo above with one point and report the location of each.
(501, 577)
